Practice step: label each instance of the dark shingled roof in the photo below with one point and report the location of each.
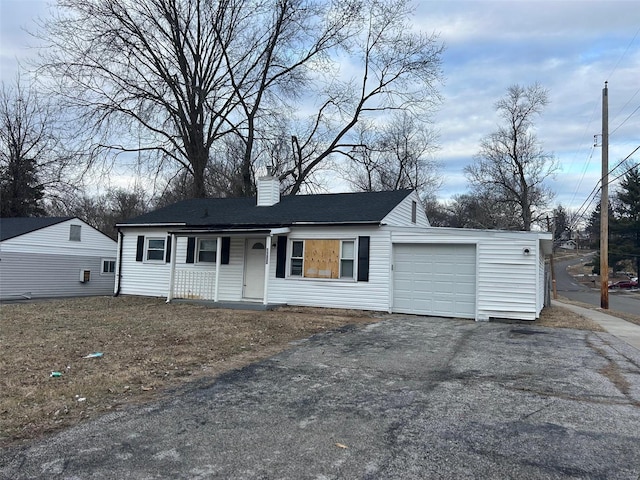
(340, 208)
(16, 226)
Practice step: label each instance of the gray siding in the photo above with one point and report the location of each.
(41, 275)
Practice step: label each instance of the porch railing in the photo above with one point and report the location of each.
(194, 285)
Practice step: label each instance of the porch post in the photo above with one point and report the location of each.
(172, 271)
(267, 260)
(218, 263)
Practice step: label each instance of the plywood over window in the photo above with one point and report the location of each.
(322, 259)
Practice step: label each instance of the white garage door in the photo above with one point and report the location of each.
(437, 280)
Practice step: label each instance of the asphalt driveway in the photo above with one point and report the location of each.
(408, 397)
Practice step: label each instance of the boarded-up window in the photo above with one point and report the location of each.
(322, 259)
(330, 259)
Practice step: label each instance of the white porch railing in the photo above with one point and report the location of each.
(194, 284)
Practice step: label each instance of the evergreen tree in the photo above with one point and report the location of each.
(624, 241)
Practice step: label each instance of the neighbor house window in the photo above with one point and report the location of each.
(297, 259)
(108, 266)
(155, 249)
(414, 211)
(74, 233)
(346, 259)
(330, 259)
(207, 250)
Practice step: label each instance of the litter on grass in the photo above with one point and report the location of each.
(94, 355)
(56, 374)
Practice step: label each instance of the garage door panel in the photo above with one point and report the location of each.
(435, 279)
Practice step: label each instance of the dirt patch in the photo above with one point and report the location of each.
(147, 347)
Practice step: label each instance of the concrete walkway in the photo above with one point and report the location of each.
(626, 331)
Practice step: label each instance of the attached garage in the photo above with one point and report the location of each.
(435, 279)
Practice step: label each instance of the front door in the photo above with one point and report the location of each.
(254, 268)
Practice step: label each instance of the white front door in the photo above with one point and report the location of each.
(254, 268)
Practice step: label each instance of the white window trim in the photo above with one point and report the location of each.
(354, 274)
(146, 250)
(79, 230)
(290, 258)
(102, 260)
(340, 279)
(197, 252)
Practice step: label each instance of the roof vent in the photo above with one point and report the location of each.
(268, 190)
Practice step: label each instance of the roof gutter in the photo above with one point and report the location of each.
(151, 225)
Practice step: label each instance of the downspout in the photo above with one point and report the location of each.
(119, 276)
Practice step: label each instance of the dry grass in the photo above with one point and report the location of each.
(558, 317)
(629, 317)
(148, 346)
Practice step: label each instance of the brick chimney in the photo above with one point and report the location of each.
(268, 189)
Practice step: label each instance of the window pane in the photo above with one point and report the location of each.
(347, 250)
(156, 244)
(296, 267)
(346, 268)
(155, 255)
(206, 256)
(297, 249)
(209, 245)
(74, 232)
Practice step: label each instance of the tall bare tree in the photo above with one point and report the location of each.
(511, 166)
(32, 160)
(173, 77)
(398, 155)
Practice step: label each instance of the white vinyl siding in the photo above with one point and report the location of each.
(401, 215)
(338, 293)
(46, 263)
(507, 279)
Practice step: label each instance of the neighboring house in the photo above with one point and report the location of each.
(373, 251)
(54, 257)
(568, 245)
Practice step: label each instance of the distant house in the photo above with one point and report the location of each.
(54, 257)
(568, 245)
(373, 250)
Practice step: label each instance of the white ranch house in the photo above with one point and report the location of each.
(54, 257)
(373, 251)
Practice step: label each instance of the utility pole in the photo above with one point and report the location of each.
(604, 204)
(551, 266)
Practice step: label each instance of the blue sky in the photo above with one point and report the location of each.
(570, 47)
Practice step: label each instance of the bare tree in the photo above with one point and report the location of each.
(511, 166)
(394, 68)
(174, 77)
(32, 160)
(103, 211)
(398, 155)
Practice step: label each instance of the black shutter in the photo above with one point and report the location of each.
(167, 254)
(191, 249)
(224, 255)
(281, 260)
(140, 248)
(363, 259)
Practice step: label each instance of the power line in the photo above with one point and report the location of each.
(625, 120)
(625, 52)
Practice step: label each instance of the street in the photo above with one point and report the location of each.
(567, 286)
